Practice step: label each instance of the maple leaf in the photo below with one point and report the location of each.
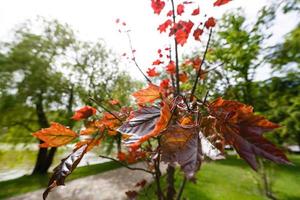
(197, 33)
(208, 126)
(148, 95)
(157, 6)
(184, 147)
(147, 122)
(221, 2)
(114, 102)
(131, 194)
(171, 68)
(152, 72)
(183, 77)
(170, 13)
(90, 142)
(56, 135)
(141, 184)
(163, 27)
(180, 9)
(64, 169)
(196, 11)
(243, 130)
(183, 30)
(84, 113)
(121, 156)
(164, 84)
(181, 37)
(157, 62)
(210, 22)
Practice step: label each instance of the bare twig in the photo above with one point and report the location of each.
(199, 70)
(104, 108)
(125, 165)
(133, 58)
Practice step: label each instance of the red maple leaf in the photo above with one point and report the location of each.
(211, 22)
(183, 77)
(170, 13)
(242, 129)
(84, 113)
(157, 6)
(181, 37)
(163, 27)
(157, 62)
(171, 68)
(197, 33)
(180, 9)
(196, 11)
(152, 72)
(164, 84)
(221, 2)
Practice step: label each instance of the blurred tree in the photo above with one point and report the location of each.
(239, 45)
(40, 84)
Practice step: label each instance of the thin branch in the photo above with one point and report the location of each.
(205, 98)
(133, 58)
(98, 104)
(176, 52)
(181, 188)
(199, 70)
(124, 165)
(157, 174)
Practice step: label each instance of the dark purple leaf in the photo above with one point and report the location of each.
(142, 123)
(64, 169)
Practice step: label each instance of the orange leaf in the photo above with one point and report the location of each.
(91, 143)
(148, 95)
(56, 135)
(83, 113)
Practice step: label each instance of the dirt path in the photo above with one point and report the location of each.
(110, 185)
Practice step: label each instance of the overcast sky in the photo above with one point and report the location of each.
(94, 19)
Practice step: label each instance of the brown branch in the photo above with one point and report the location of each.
(98, 104)
(125, 165)
(176, 52)
(199, 70)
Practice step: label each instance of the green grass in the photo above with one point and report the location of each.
(232, 179)
(30, 183)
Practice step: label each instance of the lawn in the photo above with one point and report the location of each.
(30, 183)
(232, 179)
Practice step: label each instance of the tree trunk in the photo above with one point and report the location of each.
(42, 157)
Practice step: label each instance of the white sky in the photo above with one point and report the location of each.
(94, 19)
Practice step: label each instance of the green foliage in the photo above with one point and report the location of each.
(239, 182)
(46, 72)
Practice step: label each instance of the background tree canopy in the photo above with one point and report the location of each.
(46, 73)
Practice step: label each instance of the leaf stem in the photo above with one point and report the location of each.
(133, 58)
(199, 70)
(124, 165)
